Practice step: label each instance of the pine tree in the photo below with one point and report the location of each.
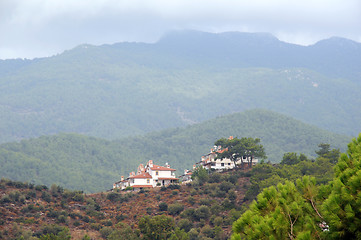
(342, 209)
(286, 212)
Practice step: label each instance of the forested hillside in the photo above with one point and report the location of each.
(91, 164)
(314, 199)
(126, 89)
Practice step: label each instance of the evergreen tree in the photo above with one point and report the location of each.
(342, 209)
(237, 148)
(286, 212)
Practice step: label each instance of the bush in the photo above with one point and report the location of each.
(214, 178)
(174, 186)
(105, 232)
(157, 227)
(208, 231)
(205, 201)
(30, 194)
(46, 196)
(185, 224)
(202, 213)
(5, 199)
(175, 209)
(163, 206)
(226, 186)
(78, 197)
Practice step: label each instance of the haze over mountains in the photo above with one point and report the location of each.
(112, 91)
(92, 164)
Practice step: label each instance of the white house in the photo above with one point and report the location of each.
(148, 177)
(210, 161)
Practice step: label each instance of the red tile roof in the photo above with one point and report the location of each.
(143, 175)
(160, 168)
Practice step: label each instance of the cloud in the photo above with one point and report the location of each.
(34, 28)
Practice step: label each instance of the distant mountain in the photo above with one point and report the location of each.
(79, 162)
(125, 89)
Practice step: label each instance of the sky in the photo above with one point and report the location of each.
(41, 28)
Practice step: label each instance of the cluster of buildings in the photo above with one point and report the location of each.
(148, 176)
(151, 175)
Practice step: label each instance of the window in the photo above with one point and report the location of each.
(229, 164)
(222, 164)
(148, 180)
(157, 173)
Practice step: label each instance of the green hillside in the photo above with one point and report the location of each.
(80, 162)
(125, 89)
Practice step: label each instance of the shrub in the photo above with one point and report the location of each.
(214, 178)
(95, 226)
(40, 187)
(175, 209)
(174, 186)
(163, 206)
(78, 197)
(76, 224)
(185, 224)
(227, 204)
(46, 196)
(5, 199)
(225, 186)
(157, 227)
(202, 213)
(15, 195)
(188, 213)
(108, 223)
(106, 231)
(205, 201)
(30, 194)
(208, 231)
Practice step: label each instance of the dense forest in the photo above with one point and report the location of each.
(92, 164)
(299, 198)
(113, 91)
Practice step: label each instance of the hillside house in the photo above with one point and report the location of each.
(210, 161)
(148, 176)
(187, 176)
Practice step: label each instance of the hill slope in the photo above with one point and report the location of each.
(112, 91)
(91, 164)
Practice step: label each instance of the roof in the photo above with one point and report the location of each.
(222, 150)
(167, 178)
(142, 175)
(161, 168)
(142, 186)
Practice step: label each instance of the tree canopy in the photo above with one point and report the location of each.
(306, 210)
(240, 148)
(342, 207)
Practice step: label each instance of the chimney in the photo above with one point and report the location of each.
(150, 163)
(194, 167)
(230, 138)
(122, 178)
(167, 165)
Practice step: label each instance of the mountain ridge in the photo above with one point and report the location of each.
(124, 89)
(91, 164)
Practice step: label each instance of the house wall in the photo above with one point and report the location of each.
(140, 181)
